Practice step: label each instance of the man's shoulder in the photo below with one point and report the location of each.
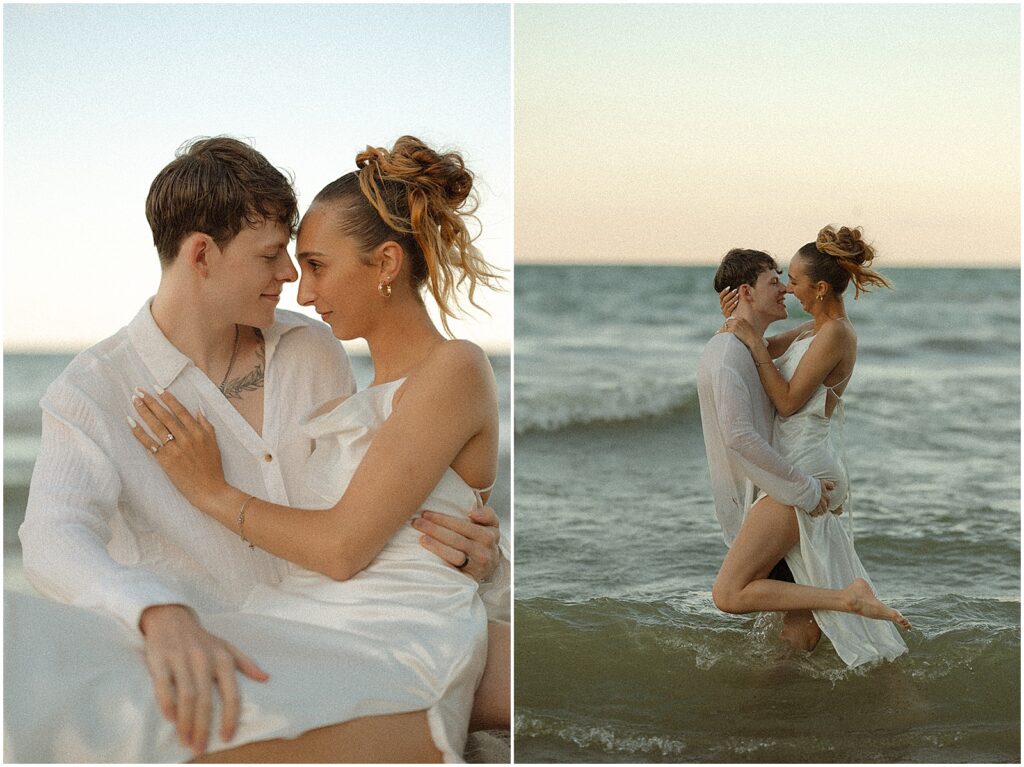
(717, 341)
(721, 347)
(94, 378)
(95, 363)
(725, 341)
(724, 355)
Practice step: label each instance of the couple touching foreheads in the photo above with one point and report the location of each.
(772, 417)
(244, 543)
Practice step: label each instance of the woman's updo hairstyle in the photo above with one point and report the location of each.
(421, 200)
(838, 256)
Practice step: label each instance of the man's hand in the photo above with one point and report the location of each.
(827, 486)
(458, 540)
(184, 661)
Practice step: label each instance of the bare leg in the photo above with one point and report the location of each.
(492, 702)
(769, 531)
(800, 630)
(390, 738)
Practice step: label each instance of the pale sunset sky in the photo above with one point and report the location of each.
(671, 133)
(97, 98)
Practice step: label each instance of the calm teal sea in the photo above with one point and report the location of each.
(620, 653)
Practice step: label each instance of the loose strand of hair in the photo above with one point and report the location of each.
(438, 215)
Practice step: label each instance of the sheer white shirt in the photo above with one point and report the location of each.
(737, 417)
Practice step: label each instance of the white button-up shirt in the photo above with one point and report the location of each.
(105, 528)
(737, 416)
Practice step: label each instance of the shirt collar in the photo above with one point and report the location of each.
(163, 359)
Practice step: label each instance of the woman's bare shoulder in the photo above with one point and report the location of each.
(454, 368)
(837, 331)
(459, 359)
(836, 339)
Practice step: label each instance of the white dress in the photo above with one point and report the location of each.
(408, 633)
(825, 556)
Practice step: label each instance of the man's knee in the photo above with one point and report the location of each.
(801, 631)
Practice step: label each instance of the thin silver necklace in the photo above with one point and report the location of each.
(231, 362)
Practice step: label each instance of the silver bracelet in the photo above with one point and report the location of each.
(241, 521)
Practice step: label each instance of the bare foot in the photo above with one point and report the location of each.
(863, 601)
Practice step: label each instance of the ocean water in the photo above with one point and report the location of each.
(26, 377)
(621, 655)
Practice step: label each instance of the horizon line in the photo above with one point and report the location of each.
(986, 265)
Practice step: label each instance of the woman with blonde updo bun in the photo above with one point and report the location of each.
(805, 373)
(837, 257)
(409, 640)
(422, 199)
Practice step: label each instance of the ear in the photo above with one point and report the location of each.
(821, 288)
(390, 257)
(744, 292)
(195, 252)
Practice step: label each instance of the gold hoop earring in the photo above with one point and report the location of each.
(384, 288)
(821, 298)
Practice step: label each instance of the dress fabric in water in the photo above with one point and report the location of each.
(825, 557)
(408, 633)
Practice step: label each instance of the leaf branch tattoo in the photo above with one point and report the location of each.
(251, 381)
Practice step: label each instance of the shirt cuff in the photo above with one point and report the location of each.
(127, 606)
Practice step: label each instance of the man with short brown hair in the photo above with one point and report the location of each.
(216, 186)
(737, 418)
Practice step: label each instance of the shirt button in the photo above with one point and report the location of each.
(268, 458)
